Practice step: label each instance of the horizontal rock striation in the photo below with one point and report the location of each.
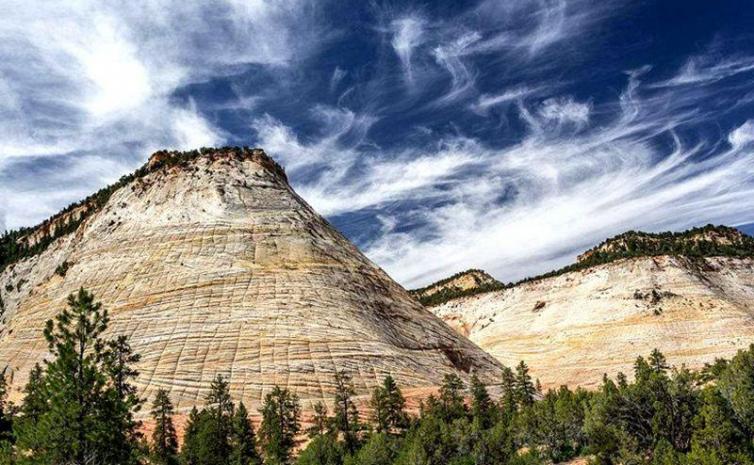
(574, 327)
(211, 264)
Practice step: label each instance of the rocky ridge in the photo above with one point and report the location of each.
(211, 264)
(460, 284)
(573, 326)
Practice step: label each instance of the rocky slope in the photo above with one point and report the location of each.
(460, 284)
(573, 326)
(211, 264)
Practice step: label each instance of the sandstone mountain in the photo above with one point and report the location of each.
(211, 264)
(691, 295)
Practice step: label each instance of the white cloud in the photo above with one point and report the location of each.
(407, 36)
(565, 110)
(703, 69)
(532, 206)
(742, 135)
(486, 101)
(86, 76)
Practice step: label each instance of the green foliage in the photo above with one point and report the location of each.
(320, 421)
(322, 450)
(388, 407)
(280, 426)
(164, 438)
(62, 269)
(523, 387)
(191, 445)
(379, 449)
(346, 415)
(446, 293)
(482, 407)
(243, 440)
(451, 403)
(79, 407)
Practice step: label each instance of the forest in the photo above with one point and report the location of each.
(80, 407)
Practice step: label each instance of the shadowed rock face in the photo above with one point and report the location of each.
(574, 327)
(217, 266)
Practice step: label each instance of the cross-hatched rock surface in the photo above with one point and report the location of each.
(216, 266)
(573, 328)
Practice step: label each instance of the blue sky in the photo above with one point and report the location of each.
(438, 136)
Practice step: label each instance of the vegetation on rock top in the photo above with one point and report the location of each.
(16, 245)
(705, 241)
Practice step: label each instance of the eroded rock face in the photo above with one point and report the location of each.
(217, 266)
(574, 327)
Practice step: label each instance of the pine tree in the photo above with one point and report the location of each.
(6, 417)
(215, 429)
(388, 407)
(280, 425)
(481, 403)
(35, 403)
(524, 387)
(190, 449)
(451, 398)
(164, 438)
(82, 419)
(243, 440)
(658, 362)
(320, 421)
(346, 416)
(118, 361)
(397, 419)
(508, 395)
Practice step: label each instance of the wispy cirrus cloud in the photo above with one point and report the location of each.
(535, 204)
(83, 77)
(501, 135)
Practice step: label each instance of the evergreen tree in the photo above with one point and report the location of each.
(451, 398)
(190, 449)
(397, 419)
(524, 387)
(322, 450)
(164, 438)
(481, 404)
(35, 402)
(508, 392)
(657, 361)
(379, 449)
(32, 408)
(215, 426)
(388, 407)
(280, 425)
(717, 437)
(83, 419)
(346, 416)
(118, 361)
(243, 440)
(6, 414)
(320, 421)
(737, 386)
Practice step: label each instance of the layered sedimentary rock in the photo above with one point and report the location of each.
(573, 327)
(215, 266)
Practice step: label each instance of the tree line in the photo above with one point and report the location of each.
(693, 243)
(80, 406)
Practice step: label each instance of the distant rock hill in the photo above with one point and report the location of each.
(211, 264)
(461, 284)
(690, 294)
